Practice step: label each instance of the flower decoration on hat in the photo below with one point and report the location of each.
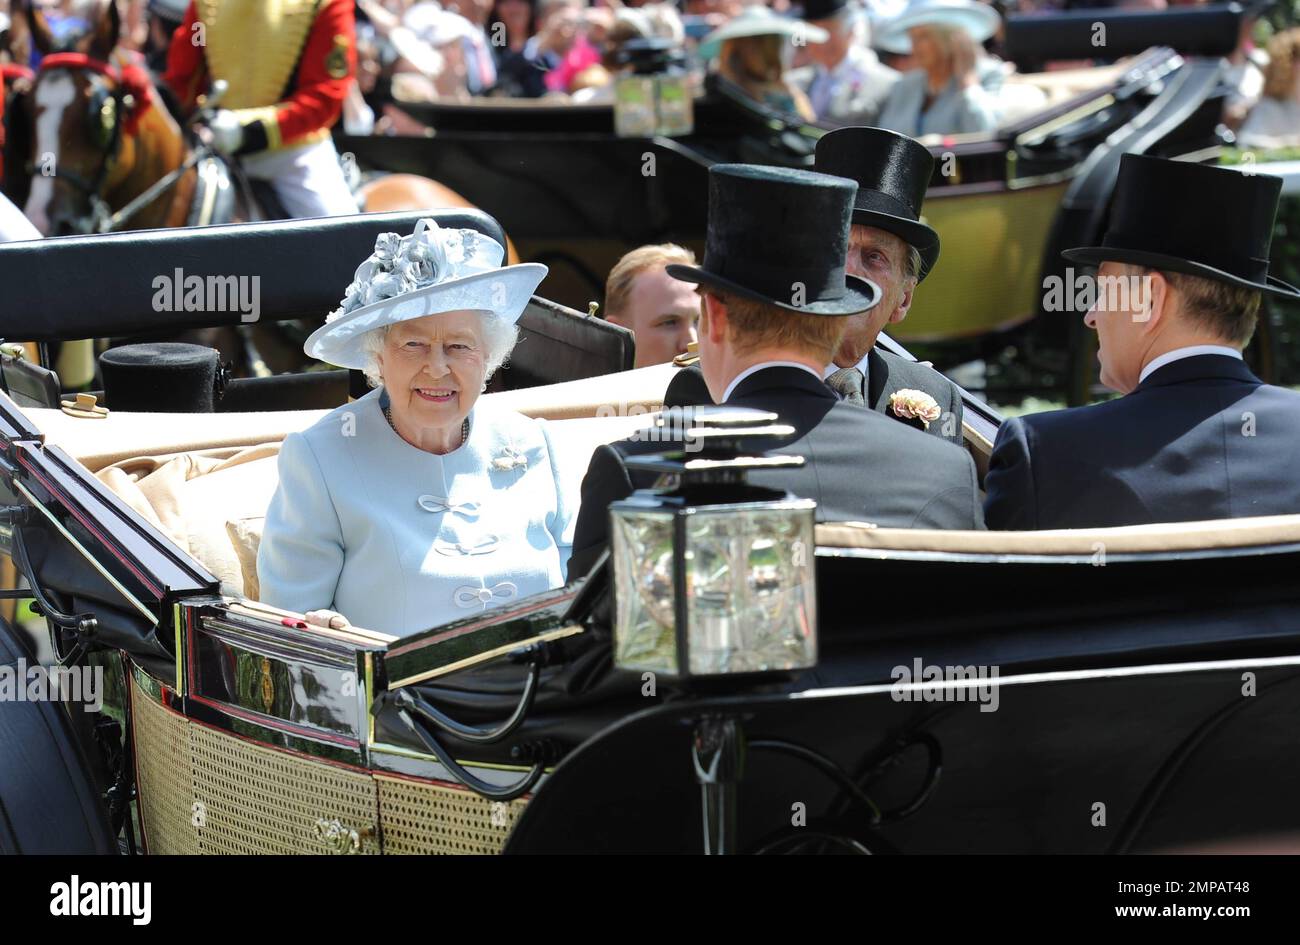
(403, 264)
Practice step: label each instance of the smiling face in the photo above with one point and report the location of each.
(881, 257)
(433, 369)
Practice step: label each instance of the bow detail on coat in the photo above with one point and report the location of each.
(469, 595)
(483, 546)
(434, 503)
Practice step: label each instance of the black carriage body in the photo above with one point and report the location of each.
(1152, 683)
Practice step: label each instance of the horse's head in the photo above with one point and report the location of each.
(82, 108)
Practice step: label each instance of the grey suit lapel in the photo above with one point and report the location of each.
(878, 381)
(888, 375)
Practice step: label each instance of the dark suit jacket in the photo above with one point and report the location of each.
(1200, 438)
(861, 467)
(886, 374)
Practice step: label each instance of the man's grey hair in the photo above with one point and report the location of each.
(499, 339)
(912, 267)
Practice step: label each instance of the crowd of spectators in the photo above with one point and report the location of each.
(913, 66)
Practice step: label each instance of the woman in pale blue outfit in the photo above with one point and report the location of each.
(945, 94)
(419, 504)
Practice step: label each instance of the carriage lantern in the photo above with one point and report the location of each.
(655, 98)
(714, 575)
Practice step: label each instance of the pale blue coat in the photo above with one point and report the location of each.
(398, 539)
(954, 111)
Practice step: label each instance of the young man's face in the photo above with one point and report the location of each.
(661, 311)
(881, 257)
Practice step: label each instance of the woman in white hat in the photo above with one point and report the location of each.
(418, 504)
(752, 50)
(943, 95)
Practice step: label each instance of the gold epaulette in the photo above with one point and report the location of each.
(254, 45)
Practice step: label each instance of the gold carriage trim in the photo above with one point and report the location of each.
(205, 790)
(254, 45)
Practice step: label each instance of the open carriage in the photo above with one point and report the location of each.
(1100, 690)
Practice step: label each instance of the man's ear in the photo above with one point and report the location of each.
(905, 303)
(1158, 295)
(713, 320)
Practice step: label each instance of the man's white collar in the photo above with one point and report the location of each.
(1191, 351)
(754, 369)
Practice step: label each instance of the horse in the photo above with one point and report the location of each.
(101, 137)
(107, 155)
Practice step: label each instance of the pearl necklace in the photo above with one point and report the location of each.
(464, 427)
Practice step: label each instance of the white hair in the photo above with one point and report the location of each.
(499, 338)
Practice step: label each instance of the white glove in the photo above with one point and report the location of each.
(227, 132)
(330, 619)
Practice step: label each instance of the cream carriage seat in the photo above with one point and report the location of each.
(210, 495)
(206, 482)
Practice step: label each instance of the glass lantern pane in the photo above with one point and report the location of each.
(751, 593)
(644, 630)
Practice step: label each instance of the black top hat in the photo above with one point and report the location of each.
(780, 236)
(1212, 222)
(167, 377)
(822, 9)
(892, 172)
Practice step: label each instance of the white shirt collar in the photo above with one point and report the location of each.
(754, 369)
(1191, 351)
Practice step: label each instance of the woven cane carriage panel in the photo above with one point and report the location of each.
(418, 817)
(260, 800)
(162, 751)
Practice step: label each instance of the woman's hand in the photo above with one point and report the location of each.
(329, 619)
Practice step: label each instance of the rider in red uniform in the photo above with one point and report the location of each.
(288, 65)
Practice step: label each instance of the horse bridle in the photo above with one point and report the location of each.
(131, 93)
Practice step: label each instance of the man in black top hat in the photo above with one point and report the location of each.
(774, 301)
(892, 247)
(1197, 436)
(889, 245)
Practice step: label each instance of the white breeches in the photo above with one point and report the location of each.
(307, 179)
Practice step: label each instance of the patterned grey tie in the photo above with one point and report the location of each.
(847, 382)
